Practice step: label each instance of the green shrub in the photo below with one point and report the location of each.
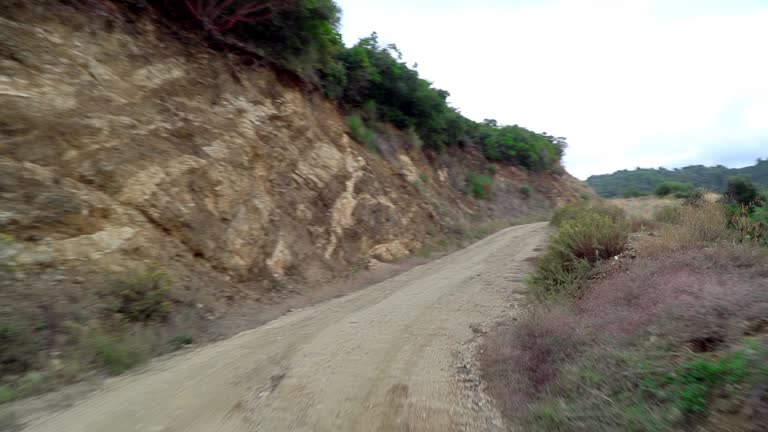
(521, 146)
(491, 170)
(694, 382)
(116, 355)
(632, 193)
(748, 223)
(557, 276)
(585, 196)
(142, 297)
(741, 190)
(568, 212)
(181, 341)
(480, 185)
(680, 190)
(577, 210)
(356, 128)
(6, 394)
(361, 133)
(370, 141)
(593, 237)
(583, 240)
(525, 191)
(691, 385)
(760, 214)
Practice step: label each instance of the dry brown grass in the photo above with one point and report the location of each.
(577, 210)
(648, 206)
(522, 358)
(644, 207)
(696, 227)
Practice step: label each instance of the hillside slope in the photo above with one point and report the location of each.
(645, 180)
(151, 183)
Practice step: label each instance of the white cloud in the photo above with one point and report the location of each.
(628, 82)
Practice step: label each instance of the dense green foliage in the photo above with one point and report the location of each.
(369, 79)
(115, 355)
(645, 180)
(301, 35)
(632, 193)
(360, 132)
(518, 145)
(760, 214)
(749, 220)
(480, 185)
(673, 188)
(387, 90)
(690, 385)
(741, 190)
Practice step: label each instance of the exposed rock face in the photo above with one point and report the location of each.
(119, 143)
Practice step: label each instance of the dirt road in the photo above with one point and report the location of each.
(394, 357)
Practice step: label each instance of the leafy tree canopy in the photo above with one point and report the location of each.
(370, 78)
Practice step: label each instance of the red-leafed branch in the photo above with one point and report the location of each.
(219, 16)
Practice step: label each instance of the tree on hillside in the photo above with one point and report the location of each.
(741, 190)
(676, 188)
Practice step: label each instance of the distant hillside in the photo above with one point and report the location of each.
(645, 180)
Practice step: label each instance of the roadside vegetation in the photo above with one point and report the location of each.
(480, 185)
(665, 329)
(588, 234)
(369, 81)
(110, 327)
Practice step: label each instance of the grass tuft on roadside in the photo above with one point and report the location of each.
(589, 233)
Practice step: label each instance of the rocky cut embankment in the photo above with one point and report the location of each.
(124, 147)
(120, 140)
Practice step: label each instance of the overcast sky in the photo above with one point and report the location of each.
(629, 82)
